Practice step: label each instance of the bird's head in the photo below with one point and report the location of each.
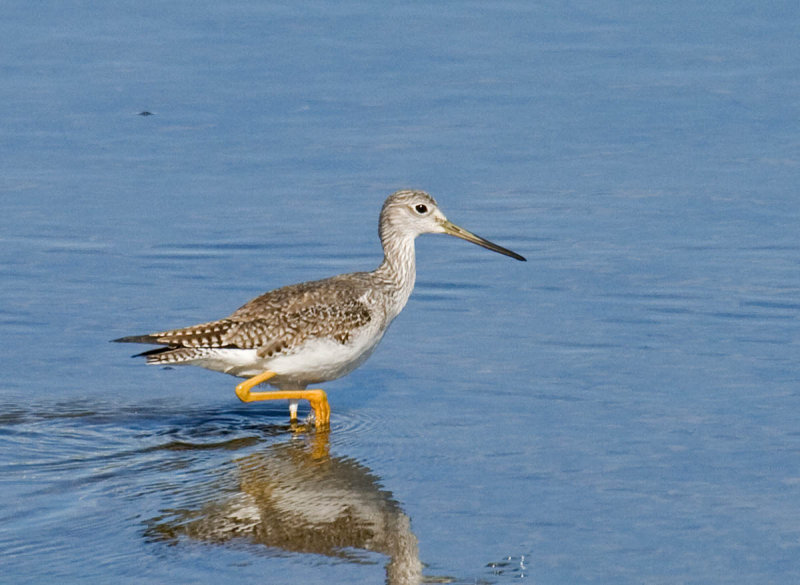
(411, 213)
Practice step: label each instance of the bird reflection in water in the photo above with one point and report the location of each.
(296, 497)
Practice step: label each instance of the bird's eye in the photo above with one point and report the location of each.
(421, 209)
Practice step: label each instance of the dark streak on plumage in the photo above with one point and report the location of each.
(272, 323)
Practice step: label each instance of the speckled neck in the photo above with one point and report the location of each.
(398, 269)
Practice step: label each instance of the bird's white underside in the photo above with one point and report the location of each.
(317, 360)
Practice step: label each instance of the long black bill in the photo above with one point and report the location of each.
(459, 232)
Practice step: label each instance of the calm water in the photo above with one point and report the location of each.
(621, 409)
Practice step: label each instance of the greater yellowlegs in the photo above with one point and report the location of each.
(315, 331)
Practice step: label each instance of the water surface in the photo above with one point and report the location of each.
(620, 409)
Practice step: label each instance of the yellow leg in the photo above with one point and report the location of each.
(317, 398)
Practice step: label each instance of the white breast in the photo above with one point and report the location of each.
(320, 360)
(315, 361)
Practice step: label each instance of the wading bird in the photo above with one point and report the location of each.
(315, 331)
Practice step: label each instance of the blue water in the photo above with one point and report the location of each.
(621, 409)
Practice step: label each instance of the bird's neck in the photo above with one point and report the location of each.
(398, 269)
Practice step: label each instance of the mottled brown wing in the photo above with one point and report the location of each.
(287, 317)
(211, 334)
(284, 331)
(279, 320)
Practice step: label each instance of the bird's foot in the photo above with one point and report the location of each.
(317, 398)
(320, 408)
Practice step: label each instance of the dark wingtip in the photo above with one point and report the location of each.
(137, 339)
(155, 351)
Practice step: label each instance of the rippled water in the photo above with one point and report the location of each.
(620, 409)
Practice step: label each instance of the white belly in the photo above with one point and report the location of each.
(316, 361)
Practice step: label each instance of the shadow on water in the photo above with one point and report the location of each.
(293, 496)
(231, 478)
